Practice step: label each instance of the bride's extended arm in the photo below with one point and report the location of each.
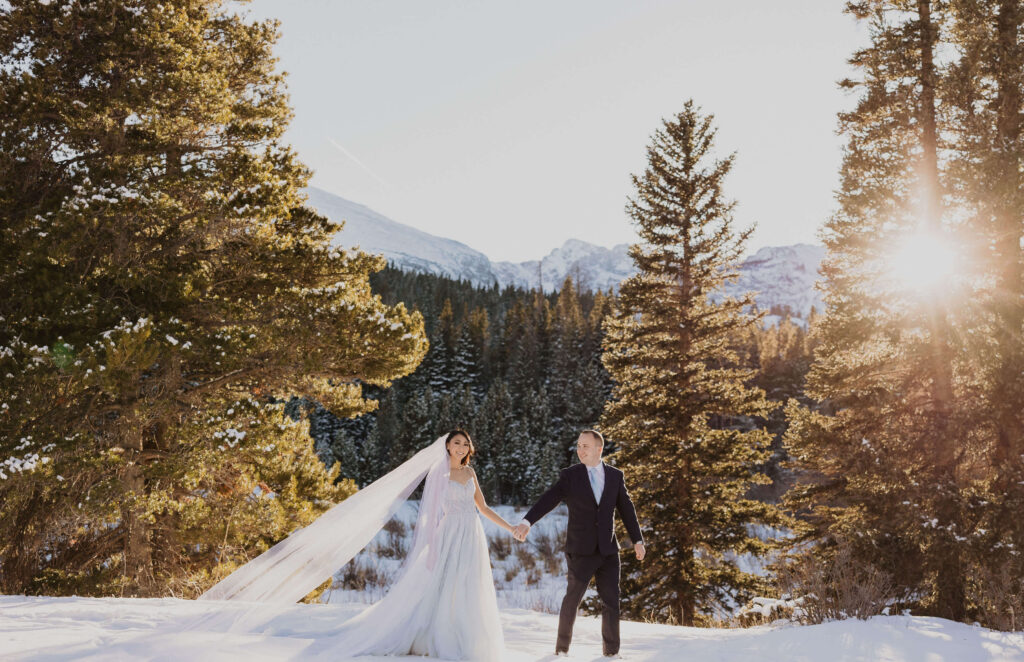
(482, 506)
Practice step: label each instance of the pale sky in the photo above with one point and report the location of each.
(513, 126)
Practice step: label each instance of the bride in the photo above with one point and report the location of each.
(443, 603)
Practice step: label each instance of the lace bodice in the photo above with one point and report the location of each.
(459, 497)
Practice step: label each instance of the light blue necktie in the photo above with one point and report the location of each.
(593, 483)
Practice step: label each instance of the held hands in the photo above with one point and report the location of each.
(640, 550)
(519, 531)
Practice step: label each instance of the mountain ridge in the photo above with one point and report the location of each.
(782, 276)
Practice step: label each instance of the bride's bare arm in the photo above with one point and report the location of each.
(481, 505)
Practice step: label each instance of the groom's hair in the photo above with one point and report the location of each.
(596, 435)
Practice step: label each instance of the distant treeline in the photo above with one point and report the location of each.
(521, 371)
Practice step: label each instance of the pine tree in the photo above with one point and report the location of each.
(440, 362)
(678, 389)
(891, 454)
(564, 383)
(478, 329)
(550, 453)
(987, 98)
(466, 360)
(525, 358)
(161, 278)
(417, 424)
(504, 461)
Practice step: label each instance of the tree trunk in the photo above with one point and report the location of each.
(1008, 236)
(950, 589)
(138, 551)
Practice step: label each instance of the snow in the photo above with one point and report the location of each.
(784, 275)
(107, 629)
(594, 267)
(401, 244)
(781, 275)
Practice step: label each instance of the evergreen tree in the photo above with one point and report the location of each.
(550, 454)
(563, 381)
(348, 453)
(162, 277)
(478, 330)
(678, 388)
(891, 458)
(504, 462)
(439, 365)
(466, 358)
(416, 429)
(987, 98)
(522, 343)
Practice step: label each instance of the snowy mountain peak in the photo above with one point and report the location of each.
(805, 256)
(782, 275)
(402, 245)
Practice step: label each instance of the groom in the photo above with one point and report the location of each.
(593, 491)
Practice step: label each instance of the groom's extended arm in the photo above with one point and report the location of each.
(547, 501)
(628, 513)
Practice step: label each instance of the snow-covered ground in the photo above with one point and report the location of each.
(108, 629)
(530, 579)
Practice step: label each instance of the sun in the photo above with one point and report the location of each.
(923, 263)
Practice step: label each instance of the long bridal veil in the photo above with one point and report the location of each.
(308, 556)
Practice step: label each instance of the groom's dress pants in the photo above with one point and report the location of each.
(583, 568)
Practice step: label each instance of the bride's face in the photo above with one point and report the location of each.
(458, 447)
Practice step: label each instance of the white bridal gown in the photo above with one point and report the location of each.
(448, 612)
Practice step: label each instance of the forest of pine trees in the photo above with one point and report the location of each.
(176, 328)
(522, 372)
(190, 371)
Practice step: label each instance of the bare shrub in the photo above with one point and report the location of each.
(998, 595)
(395, 527)
(836, 588)
(526, 557)
(501, 547)
(359, 576)
(394, 544)
(763, 610)
(538, 603)
(546, 546)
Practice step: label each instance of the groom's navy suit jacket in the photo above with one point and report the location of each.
(591, 528)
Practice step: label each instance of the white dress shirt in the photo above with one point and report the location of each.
(598, 484)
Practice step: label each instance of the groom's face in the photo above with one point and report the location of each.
(589, 449)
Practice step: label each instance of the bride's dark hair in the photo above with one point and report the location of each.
(455, 433)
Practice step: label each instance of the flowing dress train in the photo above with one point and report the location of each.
(448, 612)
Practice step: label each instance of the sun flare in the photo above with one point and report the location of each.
(923, 262)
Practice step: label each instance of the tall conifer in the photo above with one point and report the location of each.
(987, 99)
(162, 276)
(893, 452)
(677, 385)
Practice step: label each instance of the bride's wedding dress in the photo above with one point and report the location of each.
(442, 604)
(450, 612)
